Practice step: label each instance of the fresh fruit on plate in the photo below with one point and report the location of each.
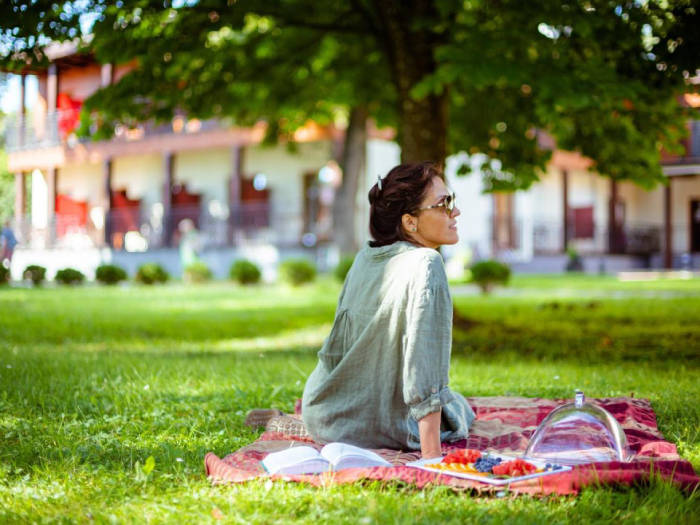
(456, 467)
(464, 456)
(516, 467)
(486, 463)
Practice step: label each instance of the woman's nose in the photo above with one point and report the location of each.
(455, 212)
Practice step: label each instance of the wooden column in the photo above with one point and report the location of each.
(107, 201)
(52, 88)
(106, 75)
(22, 95)
(234, 192)
(52, 102)
(613, 234)
(20, 200)
(22, 110)
(668, 226)
(565, 210)
(51, 184)
(168, 223)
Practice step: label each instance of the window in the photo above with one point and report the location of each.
(584, 227)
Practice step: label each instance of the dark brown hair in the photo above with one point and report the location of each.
(403, 189)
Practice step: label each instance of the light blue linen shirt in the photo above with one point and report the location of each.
(385, 364)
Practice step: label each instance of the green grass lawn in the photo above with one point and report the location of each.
(95, 381)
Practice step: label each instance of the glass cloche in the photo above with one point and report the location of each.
(578, 432)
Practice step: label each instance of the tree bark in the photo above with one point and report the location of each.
(410, 46)
(352, 164)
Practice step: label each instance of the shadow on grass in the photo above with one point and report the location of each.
(105, 326)
(589, 331)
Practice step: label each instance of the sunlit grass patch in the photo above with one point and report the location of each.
(95, 381)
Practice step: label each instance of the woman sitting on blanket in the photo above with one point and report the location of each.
(381, 380)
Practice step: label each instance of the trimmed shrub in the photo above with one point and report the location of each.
(244, 271)
(69, 276)
(297, 271)
(341, 271)
(487, 274)
(151, 273)
(35, 273)
(110, 274)
(197, 272)
(574, 263)
(4, 274)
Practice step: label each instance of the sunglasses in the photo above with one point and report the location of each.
(448, 204)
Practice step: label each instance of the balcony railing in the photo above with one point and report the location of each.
(547, 237)
(43, 130)
(146, 228)
(34, 131)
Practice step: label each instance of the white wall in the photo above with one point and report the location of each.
(381, 157)
(642, 207)
(142, 176)
(81, 182)
(284, 172)
(646, 208)
(40, 197)
(683, 190)
(205, 172)
(589, 189)
(524, 206)
(547, 196)
(473, 223)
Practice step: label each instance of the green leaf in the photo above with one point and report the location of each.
(149, 465)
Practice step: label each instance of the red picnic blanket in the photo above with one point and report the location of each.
(503, 424)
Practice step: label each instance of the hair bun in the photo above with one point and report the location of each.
(374, 194)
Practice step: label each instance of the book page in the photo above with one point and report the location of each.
(295, 460)
(343, 455)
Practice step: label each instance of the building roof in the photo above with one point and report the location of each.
(61, 53)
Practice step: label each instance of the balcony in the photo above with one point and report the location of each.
(691, 155)
(35, 131)
(46, 130)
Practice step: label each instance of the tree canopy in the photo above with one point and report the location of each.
(601, 77)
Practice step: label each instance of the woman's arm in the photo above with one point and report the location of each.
(429, 432)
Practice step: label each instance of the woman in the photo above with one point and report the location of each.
(381, 379)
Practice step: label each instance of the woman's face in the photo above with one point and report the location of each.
(434, 227)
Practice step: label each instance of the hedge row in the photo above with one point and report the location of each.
(486, 274)
(293, 271)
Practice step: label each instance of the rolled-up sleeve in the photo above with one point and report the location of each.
(427, 343)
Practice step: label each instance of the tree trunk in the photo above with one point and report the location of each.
(410, 46)
(423, 129)
(352, 164)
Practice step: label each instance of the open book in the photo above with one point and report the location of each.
(334, 456)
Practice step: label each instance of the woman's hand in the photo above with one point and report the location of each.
(429, 432)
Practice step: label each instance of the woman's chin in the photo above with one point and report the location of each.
(452, 239)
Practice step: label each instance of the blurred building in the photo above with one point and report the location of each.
(82, 203)
(612, 225)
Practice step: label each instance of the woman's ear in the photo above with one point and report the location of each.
(409, 222)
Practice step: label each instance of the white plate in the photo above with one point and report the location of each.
(486, 479)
